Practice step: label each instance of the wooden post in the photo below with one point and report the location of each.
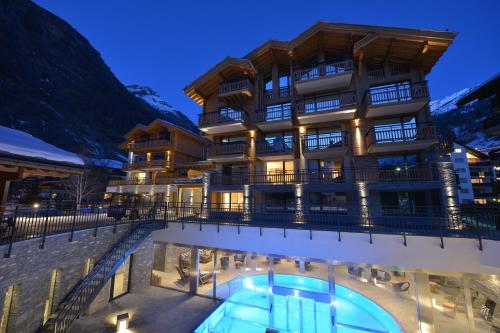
(12, 233)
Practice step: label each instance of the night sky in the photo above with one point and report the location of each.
(167, 44)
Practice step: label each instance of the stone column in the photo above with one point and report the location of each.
(205, 194)
(425, 316)
(247, 203)
(194, 271)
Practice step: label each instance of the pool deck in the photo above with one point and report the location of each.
(153, 309)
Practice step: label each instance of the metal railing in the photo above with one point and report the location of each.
(400, 133)
(282, 93)
(323, 70)
(396, 174)
(222, 116)
(326, 103)
(238, 86)
(397, 93)
(227, 148)
(375, 74)
(149, 144)
(278, 145)
(318, 142)
(274, 113)
(145, 164)
(156, 181)
(444, 222)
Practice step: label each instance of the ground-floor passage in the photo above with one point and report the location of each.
(152, 309)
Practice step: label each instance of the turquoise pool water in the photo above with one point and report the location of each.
(296, 304)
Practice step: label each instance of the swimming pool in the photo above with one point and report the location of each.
(295, 304)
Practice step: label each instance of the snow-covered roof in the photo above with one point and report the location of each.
(20, 143)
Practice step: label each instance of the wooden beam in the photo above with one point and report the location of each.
(422, 50)
(348, 45)
(364, 42)
(389, 51)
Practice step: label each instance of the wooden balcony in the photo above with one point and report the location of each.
(273, 118)
(405, 138)
(279, 149)
(323, 77)
(327, 108)
(150, 145)
(146, 165)
(396, 100)
(236, 91)
(318, 146)
(225, 120)
(228, 152)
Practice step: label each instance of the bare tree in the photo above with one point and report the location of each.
(81, 187)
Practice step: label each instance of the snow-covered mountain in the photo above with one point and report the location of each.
(465, 123)
(153, 99)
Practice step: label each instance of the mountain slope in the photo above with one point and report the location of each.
(464, 123)
(55, 85)
(153, 99)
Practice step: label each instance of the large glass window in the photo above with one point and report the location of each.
(280, 201)
(279, 142)
(230, 200)
(398, 162)
(171, 266)
(333, 202)
(277, 167)
(120, 283)
(323, 138)
(404, 203)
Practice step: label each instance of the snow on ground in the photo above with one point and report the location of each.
(21, 143)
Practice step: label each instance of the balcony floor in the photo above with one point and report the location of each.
(398, 108)
(393, 147)
(326, 116)
(223, 128)
(324, 83)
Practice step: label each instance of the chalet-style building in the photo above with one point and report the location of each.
(166, 163)
(336, 119)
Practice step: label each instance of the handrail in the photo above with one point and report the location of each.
(326, 103)
(279, 145)
(149, 144)
(397, 93)
(222, 116)
(235, 86)
(227, 148)
(404, 133)
(274, 113)
(323, 69)
(316, 142)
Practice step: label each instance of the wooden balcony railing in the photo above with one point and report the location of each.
(405, 133)
(274, 113)
(313, 142)
(397, 93)
(322, 70)
(279, 145)
(326, 103)
(239, 86)
(375, 74)
(222, 116)
(145, 165)
(149, 144)
(228, 148)
(282, 93)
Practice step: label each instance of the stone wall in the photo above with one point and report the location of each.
(30, 267)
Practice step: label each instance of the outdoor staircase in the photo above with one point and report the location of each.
(79, 298)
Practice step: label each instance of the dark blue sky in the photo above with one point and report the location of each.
(167, 44)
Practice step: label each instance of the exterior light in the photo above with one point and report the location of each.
(458, 150)
(302, 129)
(122, 321)
(398, 169)
(356, 122)
(36, 205)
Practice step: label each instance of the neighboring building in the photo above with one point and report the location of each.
(476, 175)
(165, 164)
(337, 119)
(487, 90)
(25, 156)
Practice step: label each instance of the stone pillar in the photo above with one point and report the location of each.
(425, 316)
(247, 203)
(205, 194)
(364, 208)
(299, 203)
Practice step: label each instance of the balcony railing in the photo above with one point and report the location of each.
(397, 93)
(375, 74)
(282, 93)
(221, 117)
(149, 144)
(396, 174)
(406, 133)
(278, 145)
(239, 86)
(313, 142)
(326, 103)
(145, 165)
(227, 148)
(274, 113)
(156, 181)
(323, 70)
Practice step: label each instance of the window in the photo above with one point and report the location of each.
(51, 302)
(278, 112)
(140, 158)
(393, 130)
(403, 203)
(228, 139)
(323, 138)
(280, 201)
(397, 163)
(277, 167)
(157, 156)
(120, 282)
(279, 142)
(334, 202)
(231, 200)
(230, 114)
